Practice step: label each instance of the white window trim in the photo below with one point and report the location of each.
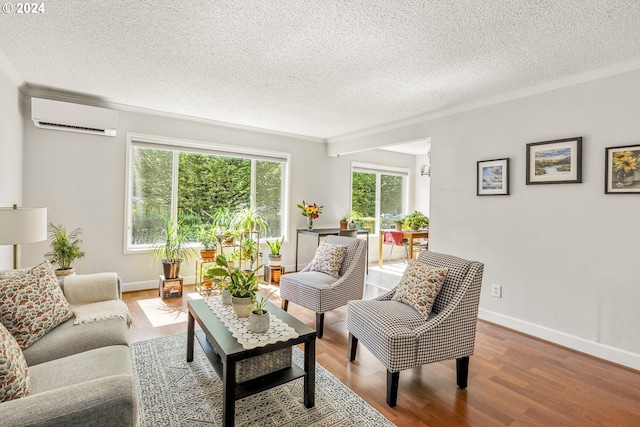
(208, 148)
(381, 169)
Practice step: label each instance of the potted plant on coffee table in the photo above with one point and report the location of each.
(171, 247)
(65, 249)
(242, 285)
(259, 317)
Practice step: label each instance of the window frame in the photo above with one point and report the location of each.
(378, 170)
(203, 147)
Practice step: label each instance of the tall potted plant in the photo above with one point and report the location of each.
(171, 247)
(65, 248)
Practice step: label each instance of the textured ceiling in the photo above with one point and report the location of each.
(320, 68)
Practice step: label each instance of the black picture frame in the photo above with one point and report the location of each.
(622, 169)
(555, 162)
(492, 177)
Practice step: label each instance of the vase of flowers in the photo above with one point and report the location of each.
(311, 211)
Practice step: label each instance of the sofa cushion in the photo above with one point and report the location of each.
(419, 286)
(328, 259)
(68, 339)
(32, 304)
(14, 373)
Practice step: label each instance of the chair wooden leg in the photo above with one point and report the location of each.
(462, 371)
(284, 304)
(393, 379)
(353, 347)
(319, 324)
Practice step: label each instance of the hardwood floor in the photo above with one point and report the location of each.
(514, 379)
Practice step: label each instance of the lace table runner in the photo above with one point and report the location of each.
(239, 326)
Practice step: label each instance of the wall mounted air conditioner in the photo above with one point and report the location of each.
(48, 114)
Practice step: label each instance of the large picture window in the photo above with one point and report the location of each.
(193, 182)
(378, 195)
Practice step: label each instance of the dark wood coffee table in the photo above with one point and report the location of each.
(224, 351)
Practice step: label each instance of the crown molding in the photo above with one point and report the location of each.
(588, 76)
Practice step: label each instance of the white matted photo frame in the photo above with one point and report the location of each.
(493, 177)
(622, 170)
(555, 162)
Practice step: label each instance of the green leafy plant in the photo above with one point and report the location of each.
(261, 302)
(171, 246)
(207, 237)
(241, 284)
(65, 248)
(415, 220)
(275, 246)
(247, 220)
(222, 217)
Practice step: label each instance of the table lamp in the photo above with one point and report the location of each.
(22, 225)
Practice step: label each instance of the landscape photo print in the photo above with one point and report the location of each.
(493, 177)
(555, 162)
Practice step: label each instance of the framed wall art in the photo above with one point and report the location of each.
(555, 162)
(622, 169)
(493, 177)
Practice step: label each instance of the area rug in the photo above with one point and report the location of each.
(172, 392)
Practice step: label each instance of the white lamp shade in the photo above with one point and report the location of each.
(22, 225)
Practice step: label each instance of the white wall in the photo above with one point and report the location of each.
(567, 256)
(10, 154)
(81, 179)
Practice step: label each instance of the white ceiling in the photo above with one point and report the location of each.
(318, 68)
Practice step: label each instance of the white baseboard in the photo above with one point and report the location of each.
(151, 284)
(602, 351)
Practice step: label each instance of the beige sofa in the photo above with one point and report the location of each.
(80, 372)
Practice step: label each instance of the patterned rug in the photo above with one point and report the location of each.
(172, 392)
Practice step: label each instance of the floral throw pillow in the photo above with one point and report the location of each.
(32, 304)
(419, 286)
(328, 259)
(14, 373)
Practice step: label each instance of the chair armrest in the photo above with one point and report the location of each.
(89, 288)
(103, 402)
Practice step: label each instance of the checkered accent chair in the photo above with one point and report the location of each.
(320, 292)
(401, 338)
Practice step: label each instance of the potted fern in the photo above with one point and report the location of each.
(65, 249)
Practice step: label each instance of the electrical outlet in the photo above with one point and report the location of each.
(496, 291)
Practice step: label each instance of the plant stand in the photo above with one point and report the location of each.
(272, 274)
(199, 280)
(169, 288)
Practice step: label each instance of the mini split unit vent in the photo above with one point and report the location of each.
(48, 114)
